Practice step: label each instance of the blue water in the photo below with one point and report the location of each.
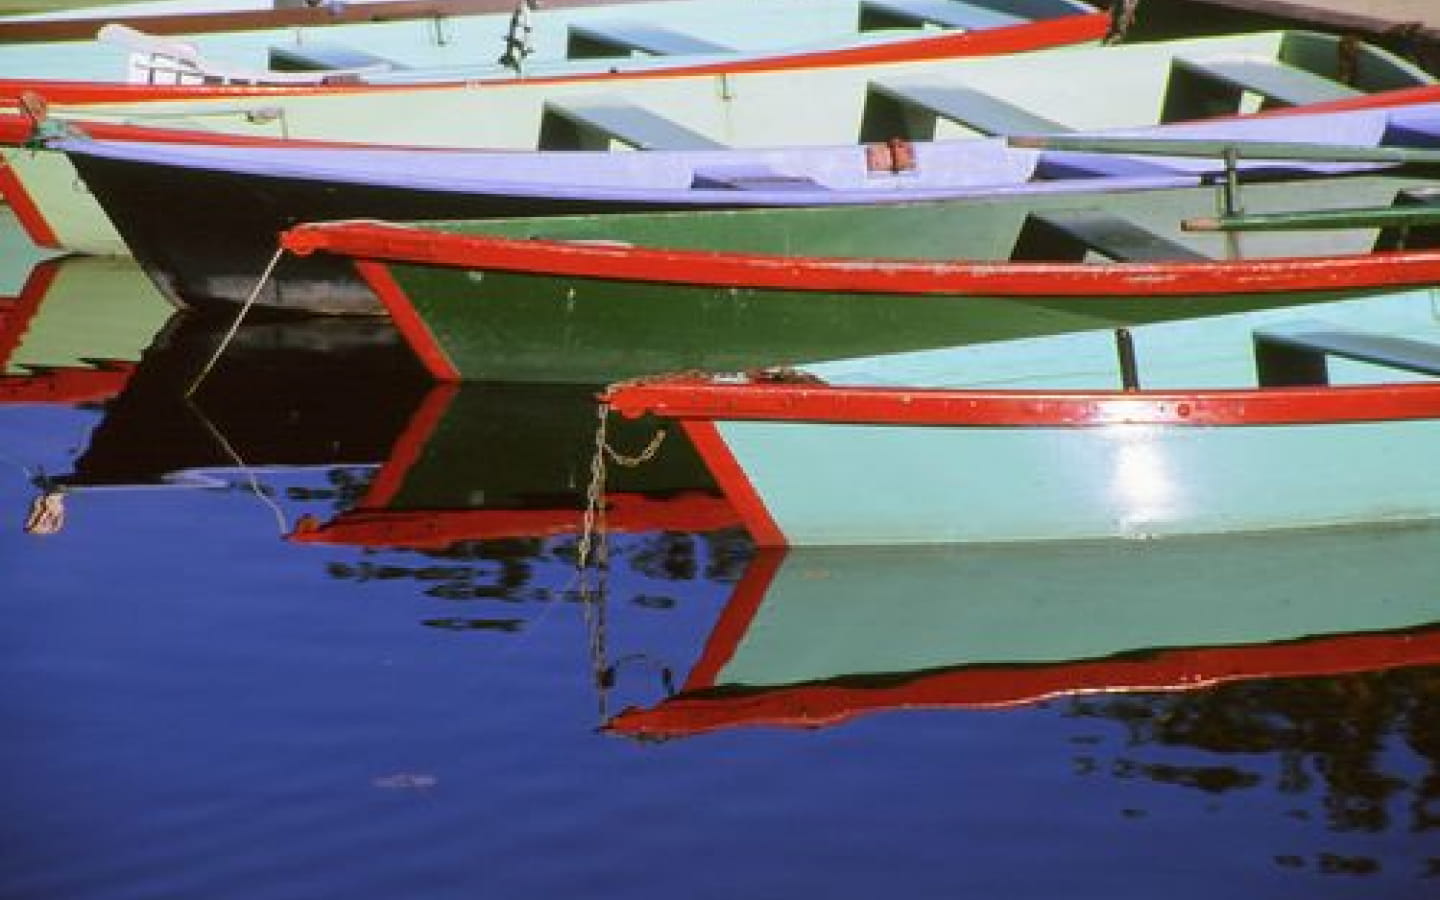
(195, 706)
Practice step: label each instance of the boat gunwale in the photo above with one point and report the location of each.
(378, 241)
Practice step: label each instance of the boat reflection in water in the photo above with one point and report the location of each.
(818, 637)
(484, 461)
(72, 329)
(316, 405)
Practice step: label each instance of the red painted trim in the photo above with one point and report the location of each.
(377, 240)
(816, 705)
(409, 322)
(734, 622)
(26, 211)
(68, 384)
(699, 403)
(734, 482)
(1007, 39)
(17, 129)
(434, 529)
(410, 445)
(17, 313)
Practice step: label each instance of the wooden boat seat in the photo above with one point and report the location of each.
(327, 58)
(909, 109)
(1200, 87)
(1420, 233)
(752, 178)
(1067, 235)
(877, 14)
(1296, 353)
(591, 123)
(605, 39)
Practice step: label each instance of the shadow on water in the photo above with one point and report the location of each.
(412, 675)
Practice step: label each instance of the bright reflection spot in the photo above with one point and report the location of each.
(1142, 487)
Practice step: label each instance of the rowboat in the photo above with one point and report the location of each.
(818, 637)
(1123, 86)
(490, 461)
(521, 38)
(1282, 418)
(182, 16)
(590, 299)
(213, 263)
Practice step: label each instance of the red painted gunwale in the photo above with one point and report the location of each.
(693, 399)
(1027, 36)
(379, 241)
(988, 687)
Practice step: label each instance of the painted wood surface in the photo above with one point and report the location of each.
(1035, 456)
(818, 637)
(483, 306)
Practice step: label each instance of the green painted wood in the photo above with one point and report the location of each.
(496, 325)
(1297, 352)
(1270, 150)
(1295, 220)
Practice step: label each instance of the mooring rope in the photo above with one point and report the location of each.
(235, 325)
(251, 480)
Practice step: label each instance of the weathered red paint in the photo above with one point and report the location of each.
(16, 312)
(734, 482)
(410, 445)
(398, 243)
(68, 384)
(433, 529)
(817, 705)
(408, 321)
(701, 402)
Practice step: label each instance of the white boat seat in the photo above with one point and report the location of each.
(591, 123)
(1067, 235)
(1296, 353)
(877, 14)
(606, 39)
(909, 108)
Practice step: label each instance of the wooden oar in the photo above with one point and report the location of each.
(1319, 219)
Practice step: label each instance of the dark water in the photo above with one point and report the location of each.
(318, 633)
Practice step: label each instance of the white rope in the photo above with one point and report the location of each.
(251, 480)
(235, 326)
